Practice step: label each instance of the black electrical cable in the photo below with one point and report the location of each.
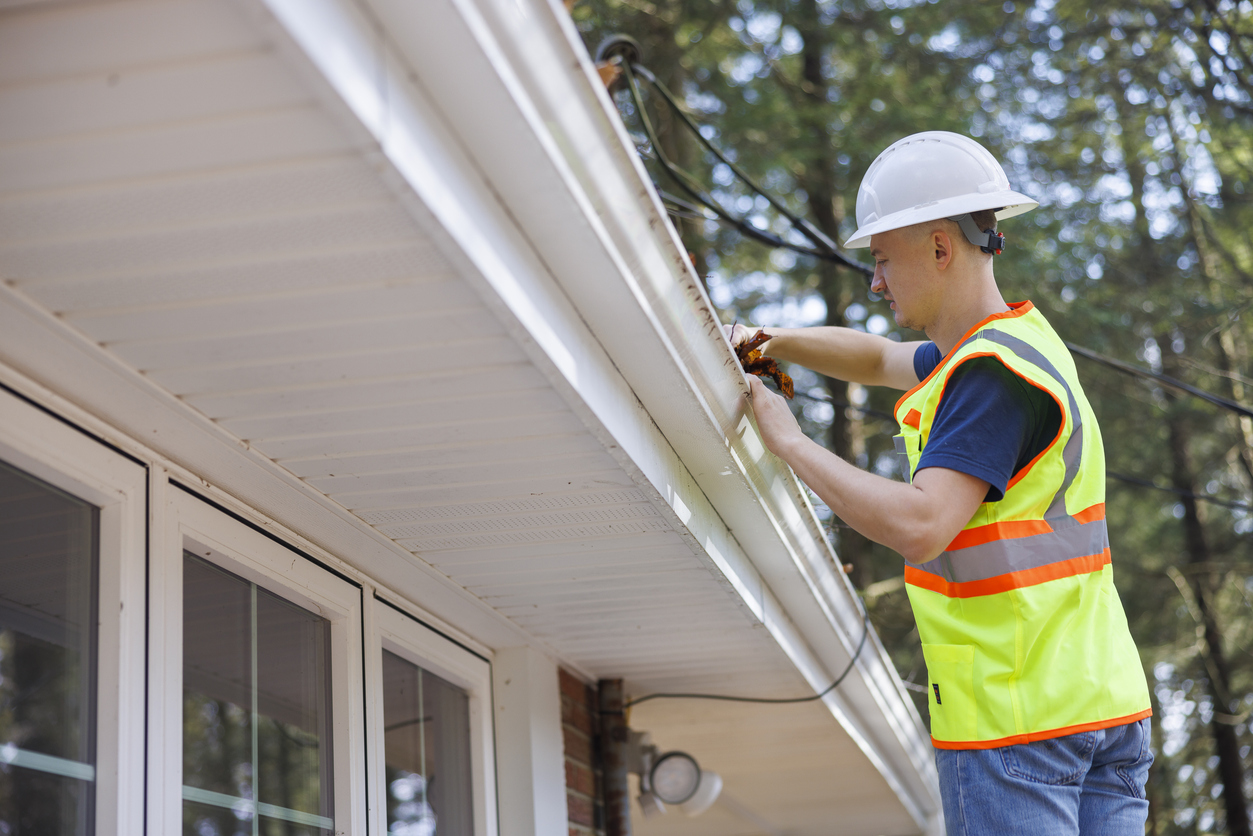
(824, 248)
(688, 184)
(865, 634)
(1145, 483)
(819, 238)
(1127, 368)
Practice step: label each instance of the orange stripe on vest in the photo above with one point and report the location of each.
(1011, 580)
(1014, 529)
(1032, 737)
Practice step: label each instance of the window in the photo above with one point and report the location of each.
(435, 767)
(262, 697)
(256, 712)
(426, 749)
(72, 518)
(48, 601)
(148, 636)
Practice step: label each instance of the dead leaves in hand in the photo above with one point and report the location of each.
(754, 362)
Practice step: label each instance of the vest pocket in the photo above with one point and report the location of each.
(950, 691)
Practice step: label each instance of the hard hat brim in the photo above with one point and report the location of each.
(1006, 203)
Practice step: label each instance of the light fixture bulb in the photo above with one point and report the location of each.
(675, 777)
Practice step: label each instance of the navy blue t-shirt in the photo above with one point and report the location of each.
(990, 422)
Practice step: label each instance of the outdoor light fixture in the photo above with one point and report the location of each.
(674, 778)
(670, 778)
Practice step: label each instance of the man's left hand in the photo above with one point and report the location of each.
(775, 421)
(737, 333)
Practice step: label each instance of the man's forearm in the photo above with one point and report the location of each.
(845, 354)
(916, 520)
(836, 352)
(879, 509)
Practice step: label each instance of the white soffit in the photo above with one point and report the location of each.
(172, 190)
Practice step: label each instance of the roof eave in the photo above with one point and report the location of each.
(595, 280)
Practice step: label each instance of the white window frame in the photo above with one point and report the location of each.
(35, 442)
(390, 626)
(194, 525)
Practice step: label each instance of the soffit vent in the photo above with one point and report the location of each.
(505, 538)
(394, 516)
(515, 522)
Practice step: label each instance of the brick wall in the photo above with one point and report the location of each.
(578, 730)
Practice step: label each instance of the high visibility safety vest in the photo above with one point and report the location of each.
(1023, 633)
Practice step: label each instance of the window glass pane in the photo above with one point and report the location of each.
(256, 710)
(427, 752)
(217, 680)
(292, 710)
(48, 567)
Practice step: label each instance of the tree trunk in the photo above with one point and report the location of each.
(1201, 577)
(1226, 743)
(1228, 347)
(664, 57)
(847, 434)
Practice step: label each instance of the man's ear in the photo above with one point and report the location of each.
(942, 249)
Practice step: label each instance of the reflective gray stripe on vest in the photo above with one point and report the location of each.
(1000, 557)
(1073, 452)
(1068, 539)
(903, 455)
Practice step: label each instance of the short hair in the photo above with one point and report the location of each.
(984, 219)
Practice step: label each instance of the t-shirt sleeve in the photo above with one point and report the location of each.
(986, 421)
(926, 357)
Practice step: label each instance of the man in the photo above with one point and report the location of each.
(1039, 707)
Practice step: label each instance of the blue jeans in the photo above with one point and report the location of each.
(1090, 783)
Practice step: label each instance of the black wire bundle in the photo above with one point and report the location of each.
(823, 247)
(627, 51)
(1127, 368)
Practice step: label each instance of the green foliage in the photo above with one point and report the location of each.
(1132, 124)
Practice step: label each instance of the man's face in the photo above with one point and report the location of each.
(903, 275)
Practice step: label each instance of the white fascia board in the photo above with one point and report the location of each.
(515, 162)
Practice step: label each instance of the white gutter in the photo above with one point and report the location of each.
(595, 279)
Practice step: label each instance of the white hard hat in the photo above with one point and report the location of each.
(928, 176)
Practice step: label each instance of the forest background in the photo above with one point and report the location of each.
(1132, 125)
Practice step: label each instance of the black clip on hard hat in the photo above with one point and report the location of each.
(990, 241)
